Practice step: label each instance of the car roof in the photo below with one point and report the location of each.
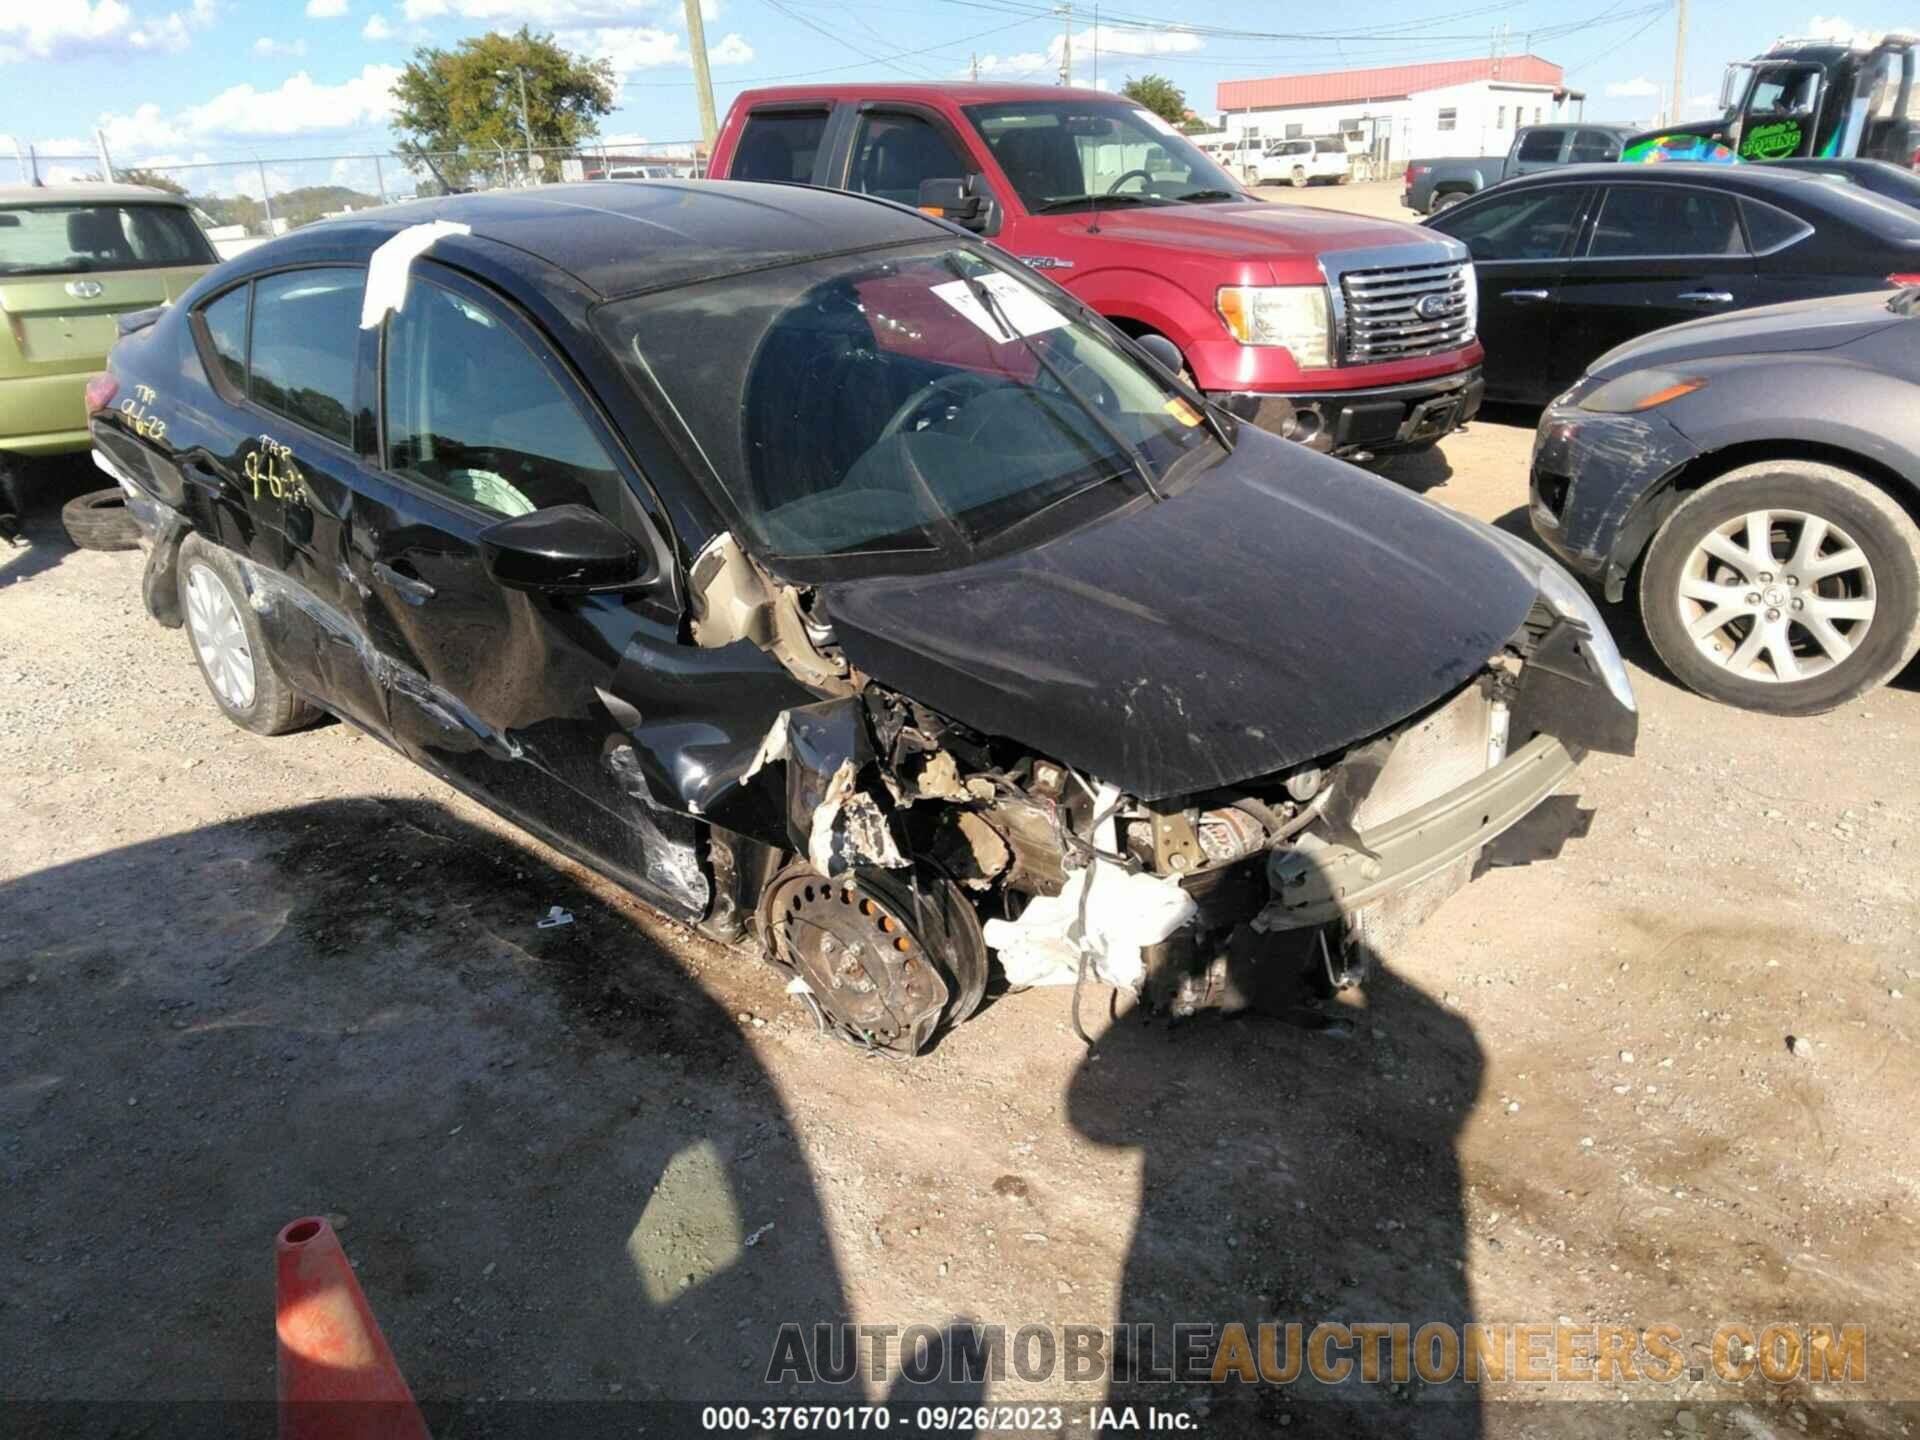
(652, 234)
(962, 92)
(1753, 179)
(82, 193)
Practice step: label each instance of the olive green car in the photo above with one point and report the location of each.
(72, 258)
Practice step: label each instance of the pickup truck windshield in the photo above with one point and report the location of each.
(1067, 154)
(874, 404)
(68, 239)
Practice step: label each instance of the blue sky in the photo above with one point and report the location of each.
(203, 80)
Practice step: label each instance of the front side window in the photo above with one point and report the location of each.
(1594, 147)
(473, 414)
(306, 346)
(1529, 225)
(1664, 221)
(893, 154)
(924, 402)
(67, 239)
(1068, 154)
(1542, 146)
(779, 145)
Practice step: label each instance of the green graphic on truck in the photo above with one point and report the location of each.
(1774, 141)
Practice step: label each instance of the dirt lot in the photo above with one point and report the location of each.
(247, 979)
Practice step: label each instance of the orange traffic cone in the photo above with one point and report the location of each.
(338, 1379)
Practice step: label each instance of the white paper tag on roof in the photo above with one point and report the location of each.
(1026, 311)
(390, 264)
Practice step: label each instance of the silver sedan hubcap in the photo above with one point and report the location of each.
(220, 638)
(1777, 596)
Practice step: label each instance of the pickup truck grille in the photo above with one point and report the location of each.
(1390, 317)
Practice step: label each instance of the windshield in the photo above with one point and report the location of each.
(64, 239)
(878, 404)
(1064, 154)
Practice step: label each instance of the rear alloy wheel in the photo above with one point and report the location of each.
(1299, 176)
(1787, 587)
(1446, 201)
(884, 960)
(230, 646)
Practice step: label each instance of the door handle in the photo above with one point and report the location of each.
(414, 592)
(1524, 294)
(1707, 297)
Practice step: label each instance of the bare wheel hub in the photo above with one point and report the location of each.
(865, 964)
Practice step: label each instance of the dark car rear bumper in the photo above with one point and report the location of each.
(1594, 487)
(1380, 420)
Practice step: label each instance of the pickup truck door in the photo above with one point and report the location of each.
(1521, 241)
(1650, 256)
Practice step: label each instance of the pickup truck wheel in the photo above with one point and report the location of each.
(230, 647)
(1299, 176)
(100, 520)
(1446, 201)
(1787, 587)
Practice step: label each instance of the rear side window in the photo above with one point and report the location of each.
(1770, 228)
(226, 324)
(779, 145)
(1649, 221)
(1329, 147)
(1542, 145)
(306, 345)
(474, 414)
(1593, 147)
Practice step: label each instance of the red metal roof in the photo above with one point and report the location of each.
(1386, 82)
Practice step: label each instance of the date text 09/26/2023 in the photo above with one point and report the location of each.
(962, 1419)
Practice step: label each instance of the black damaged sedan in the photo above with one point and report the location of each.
(838, 586)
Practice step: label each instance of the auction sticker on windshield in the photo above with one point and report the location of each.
(1024, 310)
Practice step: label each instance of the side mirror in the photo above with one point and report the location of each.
(566, 550)
(955, 200)
(1163, 353)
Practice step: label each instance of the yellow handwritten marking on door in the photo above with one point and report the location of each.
(272, 471)
(134, 407)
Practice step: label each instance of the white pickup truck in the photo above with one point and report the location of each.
(1301, 162)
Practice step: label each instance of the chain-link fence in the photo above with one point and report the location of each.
(244, 201)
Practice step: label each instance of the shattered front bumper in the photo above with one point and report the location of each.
(1591, 481)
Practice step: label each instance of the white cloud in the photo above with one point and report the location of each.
(1703, 104)
(1832, 27)
(650, 47)
(61, 29)
(1637, 88)
(376, 28)
(1131, 43)
(266, 47)
(297, 106)
(326, 9)
(554, 14)
(732, 50)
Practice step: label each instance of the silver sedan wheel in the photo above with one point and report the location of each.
(1777, 596)
(221, 639)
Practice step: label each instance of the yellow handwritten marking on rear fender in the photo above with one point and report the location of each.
(135, 408)
(272, 471)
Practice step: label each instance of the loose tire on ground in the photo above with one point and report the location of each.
(229, 646)
(100, 520)
(1862, 590)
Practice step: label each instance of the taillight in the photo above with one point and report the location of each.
(1903, 280)
(100, 392)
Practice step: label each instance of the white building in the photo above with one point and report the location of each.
(1403, 112)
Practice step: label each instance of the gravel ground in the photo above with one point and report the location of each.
(250, 979)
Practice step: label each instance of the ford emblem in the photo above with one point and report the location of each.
(1430, 307)
(85, 289)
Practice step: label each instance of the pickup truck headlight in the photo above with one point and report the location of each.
(1640, 390)
(1296, 317)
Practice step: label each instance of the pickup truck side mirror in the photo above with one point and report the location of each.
(1163, 352)
(959, 201)
(563, 550)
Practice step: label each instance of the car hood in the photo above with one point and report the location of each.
(1798, 325)
(1256, 230)
(1282, 607)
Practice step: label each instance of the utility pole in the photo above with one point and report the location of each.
(1066, 43)
(526, 120)
(106, 160)
(702, 77)
(1679, 63)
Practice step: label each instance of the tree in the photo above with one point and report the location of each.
(154, 179)
(1160, 95)
(457, 99)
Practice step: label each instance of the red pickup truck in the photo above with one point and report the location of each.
(1348, 333)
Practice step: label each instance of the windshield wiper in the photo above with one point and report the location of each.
(991, 304)
(1072, 201)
